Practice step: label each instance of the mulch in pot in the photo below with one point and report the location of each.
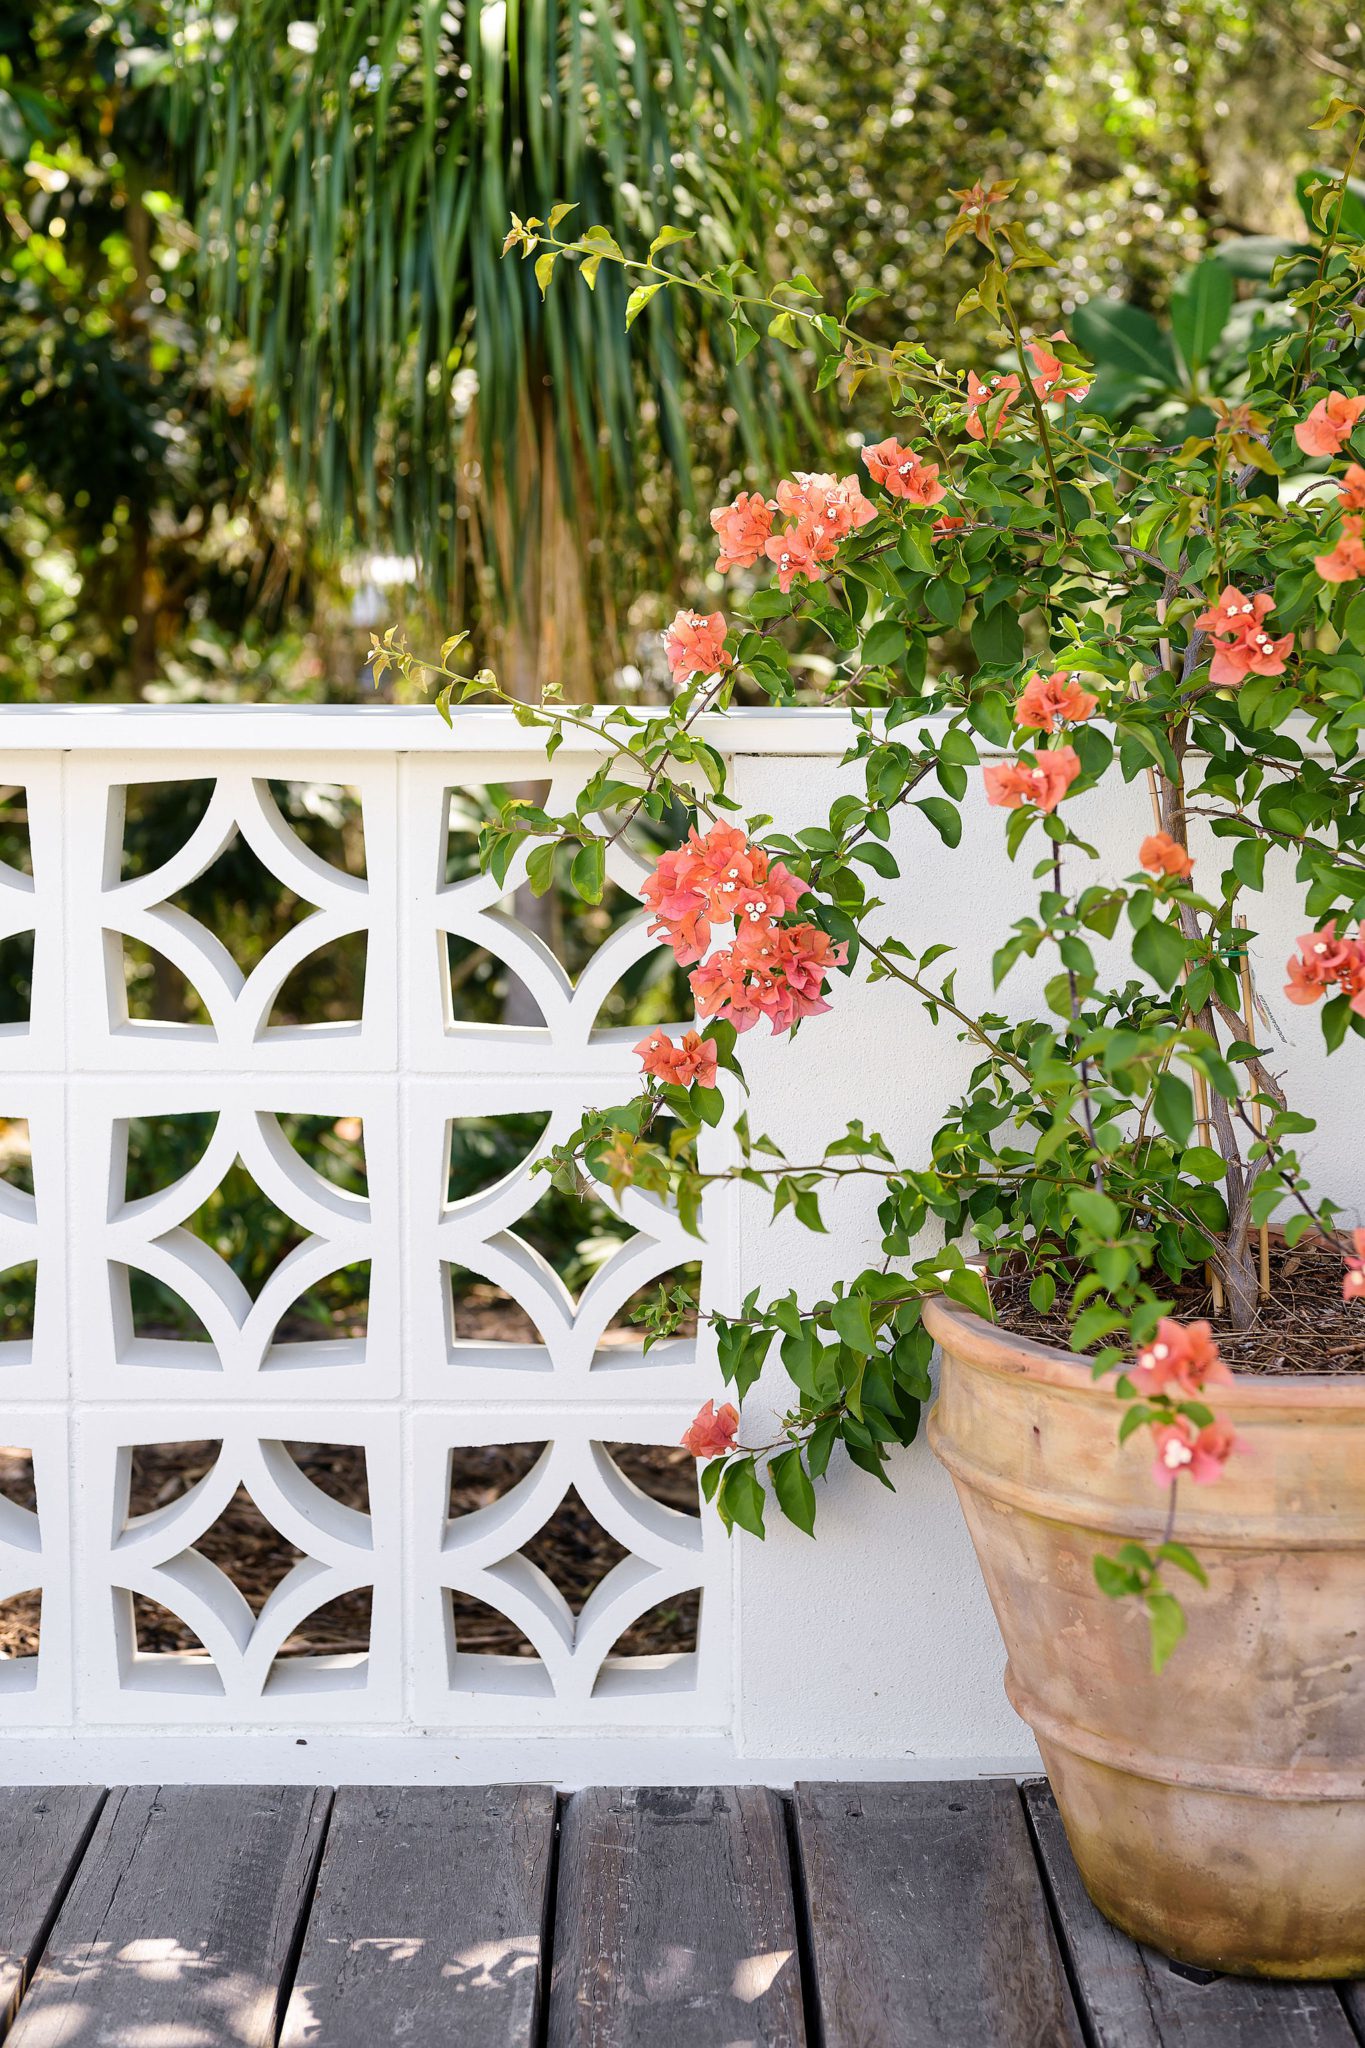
(1305, 1326)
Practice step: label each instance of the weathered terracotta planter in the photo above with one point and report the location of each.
(1216, 1811)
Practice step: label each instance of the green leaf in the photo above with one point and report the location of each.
(1096, 1211)
(1113, 1579)
(540, 867)
(1185, 1560)
(1248, 862)
(709, 1104)
(998, 636)
(1174, 1106)
(666, 238)
(944, 600)
(884, 643)
(1352, 201)
(1200, 305)
(795, 1494)
(545, 269)
(740, 1498)
(1042, 1292)
(990, 714)
(820, 1445)
(967, 1287)
(589, 871)
(638, 300)
(853, 1323)
(945, 818)
(1202, 1163)
(746, 337)
(1166, 1618)
(877, 857)
(1160, 949)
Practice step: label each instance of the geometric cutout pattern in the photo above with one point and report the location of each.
(513, 1554)
(167, 1557)
(282, 1274)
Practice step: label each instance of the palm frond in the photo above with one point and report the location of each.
(356, 170)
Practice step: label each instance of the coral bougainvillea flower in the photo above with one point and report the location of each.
(1236, 615)
(1011, 783)
(1054, 382)
(1048, 701)
(1353, 1283)
(718, 877)
(1347, 559)
(980, 396)
(1325, 961)
(1234, 661)
(712, 1431)
(1180, 1449)
(1183, 1356)
(695, 645)
(694, 1059)
(948, 522)
(830, 506)
(1353, 489)
(773, 970)
(1330, 424)
(742, 529)
(900, 472)
(1242, 647)
(796, 552)
(1162, 855)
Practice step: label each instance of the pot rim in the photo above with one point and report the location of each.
(997, 1349)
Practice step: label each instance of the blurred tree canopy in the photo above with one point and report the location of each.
(254, 327)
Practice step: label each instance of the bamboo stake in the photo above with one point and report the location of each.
(1203, 1122)
(1257, 1114)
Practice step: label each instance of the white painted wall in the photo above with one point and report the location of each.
(869, 1652)
(876, 1640)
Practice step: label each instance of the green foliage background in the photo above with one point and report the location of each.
(239, 280)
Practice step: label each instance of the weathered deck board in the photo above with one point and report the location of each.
(929, 1927)
(182, 1919)
(675, 1925)
(43, 1830)
(428, 1922)
(1135, 1999)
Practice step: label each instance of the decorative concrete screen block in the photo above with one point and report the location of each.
(482, 1554)
(238, 1675)
(166, 1081)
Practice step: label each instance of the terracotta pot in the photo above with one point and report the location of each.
(1216, 1811)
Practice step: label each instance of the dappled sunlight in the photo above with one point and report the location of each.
(755, 1976)
(491, 1963)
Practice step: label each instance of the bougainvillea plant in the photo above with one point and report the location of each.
(1188, 618)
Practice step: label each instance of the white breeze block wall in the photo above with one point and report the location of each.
(870, 1651)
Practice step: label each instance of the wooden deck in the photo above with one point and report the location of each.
(846, 1916)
